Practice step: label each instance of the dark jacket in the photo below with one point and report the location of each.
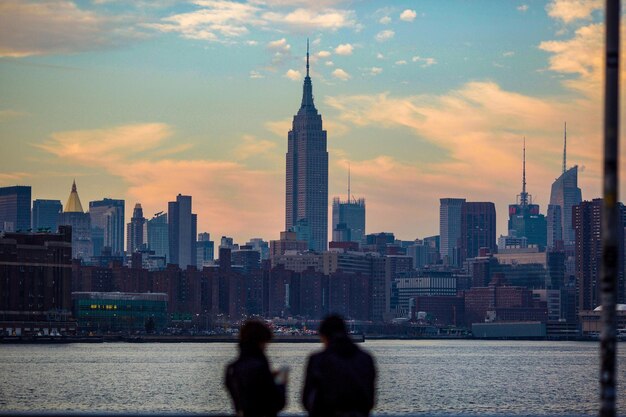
(251, 385)
(340, 381)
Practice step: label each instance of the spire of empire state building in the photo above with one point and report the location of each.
(307, 173)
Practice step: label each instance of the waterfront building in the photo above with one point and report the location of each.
(119, 311)
(35, 283)
(348, 220)
(182, 232)
(406, 288)
(205, 250)
(478, 228)
(45, 215)
(442, 310)
(15, 208)
(307, 171)
(500, 302)
(158, 235)
(136, 231)
(587, 218)
(450, 230)
(74, 216)
(107, 225)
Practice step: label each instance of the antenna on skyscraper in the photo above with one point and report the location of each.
(524, 195)
(307, 57)
(348, 182)
(565, 147)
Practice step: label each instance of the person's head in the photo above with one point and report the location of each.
(331, 328)
(254, 333)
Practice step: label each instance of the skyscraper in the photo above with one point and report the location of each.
(566, 194)
(205, 249)
(524, 218)
(15, 208)
(107, 223)
(349, 215)
(46, 215)
(478, 228)
(307, 171)
(135, 230)
(587, 217)
(158, 235)
(450, 229)
(182, 232)
(73, 215)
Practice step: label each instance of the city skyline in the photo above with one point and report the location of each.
(410, 104)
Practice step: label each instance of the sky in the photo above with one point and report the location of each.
(422, 100)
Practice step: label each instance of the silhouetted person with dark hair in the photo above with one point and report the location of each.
(340, 379)
(250, 382)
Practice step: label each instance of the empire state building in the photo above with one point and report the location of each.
(307, 173)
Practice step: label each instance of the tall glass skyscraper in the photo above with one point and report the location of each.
(182, 232)
(349, 220)
(158, 235)
(450, 229)
(566, 194)
(15, 208)
(107, 223)
(46, 215)
(307, 171)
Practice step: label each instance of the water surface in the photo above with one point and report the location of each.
(434, 377)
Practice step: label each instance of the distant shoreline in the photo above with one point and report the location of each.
(358, 338)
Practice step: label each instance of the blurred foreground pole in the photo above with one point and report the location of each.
(610, 219)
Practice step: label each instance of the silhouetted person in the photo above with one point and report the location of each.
(340, 379)
(249, 381)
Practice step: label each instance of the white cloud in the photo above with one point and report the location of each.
(580, 56)
(344, 49)
(279, 44)
(380, 56)
(569, 11)
(323, 54)
(385, 35)
(424, 62)
(376, 70)
(293, 75)
(224, 20)
(408, 15)
(401, 62)
(385, 20)
(328, 19)
(8, 114)
(329, 63)
(522, 8)
(508, 54)
(341, 74)
(218, 187)
(256, 75)
(57, 27)
(252, 43)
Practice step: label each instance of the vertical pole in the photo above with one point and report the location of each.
(610, 219)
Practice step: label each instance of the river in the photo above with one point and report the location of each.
(434, 377)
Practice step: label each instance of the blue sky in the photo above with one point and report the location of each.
(144, 100)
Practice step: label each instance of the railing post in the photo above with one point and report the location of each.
(610, 213)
